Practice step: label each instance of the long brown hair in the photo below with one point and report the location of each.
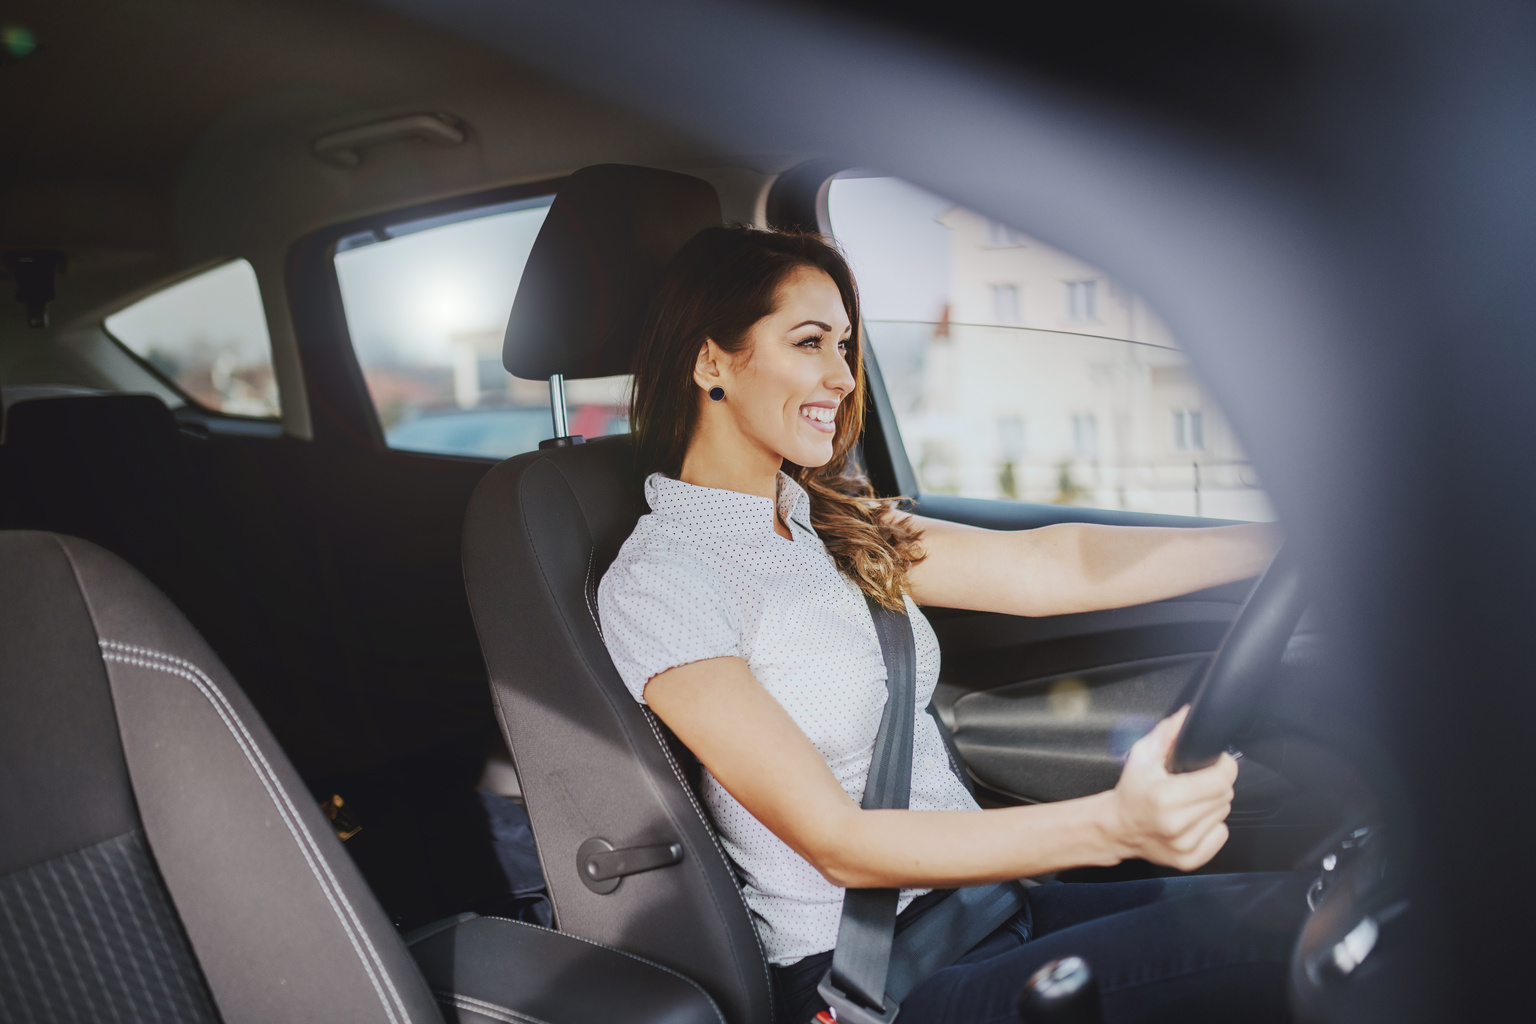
(719, 284)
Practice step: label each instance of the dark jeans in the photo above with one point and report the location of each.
(1189, 949)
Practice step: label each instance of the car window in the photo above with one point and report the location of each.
(1020, 372)
(427, 303)
(207, 335)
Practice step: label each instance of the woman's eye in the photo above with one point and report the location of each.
(814, 341)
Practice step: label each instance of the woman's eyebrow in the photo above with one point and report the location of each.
(811, 323)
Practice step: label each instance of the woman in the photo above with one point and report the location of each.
(736, 611)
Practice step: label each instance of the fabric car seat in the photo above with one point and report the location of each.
(160, 860)
(599, 771)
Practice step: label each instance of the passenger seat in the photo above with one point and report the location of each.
(160, 859)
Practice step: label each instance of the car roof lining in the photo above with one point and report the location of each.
(141, 177)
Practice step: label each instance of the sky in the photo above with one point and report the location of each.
(220, 307)
(897, 248)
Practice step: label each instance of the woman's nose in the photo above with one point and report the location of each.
(840, 377)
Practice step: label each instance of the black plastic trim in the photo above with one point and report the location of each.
(797, 201)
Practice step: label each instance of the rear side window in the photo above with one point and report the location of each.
(427, 303)
(1018, 371)
(207, 335)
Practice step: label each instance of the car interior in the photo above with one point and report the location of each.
(304, 703)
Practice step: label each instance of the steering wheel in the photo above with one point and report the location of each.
(1242, 667)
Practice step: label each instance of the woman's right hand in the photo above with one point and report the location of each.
(1175, 820)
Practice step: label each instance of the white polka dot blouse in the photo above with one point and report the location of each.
(704, 575)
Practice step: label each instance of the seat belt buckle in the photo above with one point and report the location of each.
(843, 1008)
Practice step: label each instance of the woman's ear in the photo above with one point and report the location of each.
(706, 369)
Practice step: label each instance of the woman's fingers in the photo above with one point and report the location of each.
(1193, 834)
(1209, 783)
(1154, 747)
(1174, 819)
(1179, 827)
(1200, 854)
(1181, 802)
(1211, 845)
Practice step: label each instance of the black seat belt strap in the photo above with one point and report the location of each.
(872, 970)
(855, 985)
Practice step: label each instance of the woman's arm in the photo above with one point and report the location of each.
(1077, 567)
(757, 752)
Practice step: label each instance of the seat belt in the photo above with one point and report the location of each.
(864, 985)
(854, 986)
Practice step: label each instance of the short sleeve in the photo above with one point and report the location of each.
(658, 612)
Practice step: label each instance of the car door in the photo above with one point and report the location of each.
(1016, 386)
(400, 318)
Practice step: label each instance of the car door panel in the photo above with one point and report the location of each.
(1045, 708)
(1064, 736)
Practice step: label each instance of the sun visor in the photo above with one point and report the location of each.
(596, 264)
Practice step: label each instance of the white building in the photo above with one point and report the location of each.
(1046, 381)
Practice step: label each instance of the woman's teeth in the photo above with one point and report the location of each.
(818, 414)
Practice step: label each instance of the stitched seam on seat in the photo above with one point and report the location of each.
(492, 1010)
(422, 934)
(582, 657)
(625, 953)
(709, 829)
(588, 590)
(148, 658)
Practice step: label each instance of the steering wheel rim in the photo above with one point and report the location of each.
(1242, 667)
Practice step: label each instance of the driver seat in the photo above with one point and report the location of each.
(599, 771)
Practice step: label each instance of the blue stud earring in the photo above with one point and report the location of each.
(717, 394)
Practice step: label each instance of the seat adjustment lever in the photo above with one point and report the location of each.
(602, 867)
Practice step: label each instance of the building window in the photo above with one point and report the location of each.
(1001, 236)
(1082, 300)
(1085, 435)
(1005, 304)
(1188, 430)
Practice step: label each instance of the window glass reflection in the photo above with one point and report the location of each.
(427, 303)
(1018, 371)
(207, 335)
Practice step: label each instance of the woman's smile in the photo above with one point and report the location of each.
(820, 415)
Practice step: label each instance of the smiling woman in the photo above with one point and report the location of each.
(767, 318)
(741, 611)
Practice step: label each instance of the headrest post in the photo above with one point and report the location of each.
(557, 404)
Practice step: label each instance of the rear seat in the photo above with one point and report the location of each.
(109, 469)
(119, 471)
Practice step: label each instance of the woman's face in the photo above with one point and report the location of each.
(783, 389)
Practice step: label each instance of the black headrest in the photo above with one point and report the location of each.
(104, 420)
(596, 264)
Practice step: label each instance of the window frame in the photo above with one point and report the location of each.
(233, 419)
(343, 410)
(1082, 300)
(798, 199)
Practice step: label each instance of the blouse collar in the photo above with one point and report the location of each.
(725, 511)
